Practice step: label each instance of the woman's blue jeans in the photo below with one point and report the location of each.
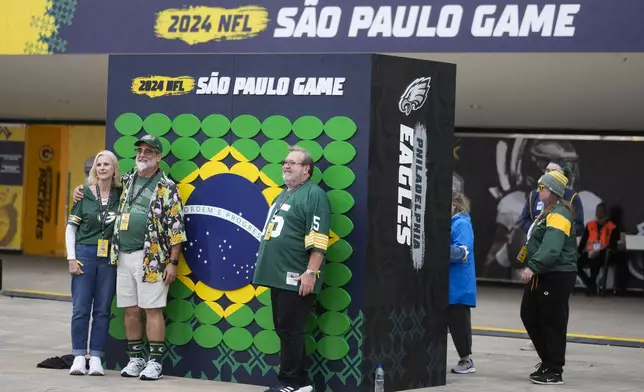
(92, 293)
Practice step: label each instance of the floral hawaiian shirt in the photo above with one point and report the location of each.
(165, 226)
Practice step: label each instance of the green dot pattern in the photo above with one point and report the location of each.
(179, 290)
(208, 336)
(182, 169)
(205, 315)
(186, 125)
(165, 167)
(340, 128)
(245, 126)
(178, 333)
(213, 146)
(192, 319)
(241, 317)
(185, 148)
(313, 148)
(339, 153)
(179, 310)
(248, 148)
(274, 151)
(238, 339)
(128, 124)
(264, 317)
(308, 127)
(167, 147)
(126, 164)
(215, 125)
(157, 124)
(274, 172)
(276, 127)
(267, 342)
(124, 146)
(338, 177)
(317, 175)
(339, 252)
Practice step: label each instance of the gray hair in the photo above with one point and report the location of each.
(307, 159)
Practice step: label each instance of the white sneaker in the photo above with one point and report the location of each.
(308, 388)
(528, 347)
(153, 371)
(95, 367)
(79, 367)
(133, 368)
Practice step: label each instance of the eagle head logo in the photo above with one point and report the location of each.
(415, 95)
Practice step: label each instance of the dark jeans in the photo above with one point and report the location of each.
(459, 320)
(595, 266)
(290, 312)
(92, 293)
(544, 312)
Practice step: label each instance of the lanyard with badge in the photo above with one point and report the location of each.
(271, 224)
(125, 217)
(523, 253)
(102, 248)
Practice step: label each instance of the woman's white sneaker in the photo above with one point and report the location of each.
(96, 367)
(79, 366)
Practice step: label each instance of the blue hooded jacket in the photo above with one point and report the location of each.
(462, 274)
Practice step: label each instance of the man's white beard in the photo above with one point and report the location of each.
(140, 165)
(289, 179)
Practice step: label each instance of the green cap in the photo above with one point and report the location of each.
(153, 141)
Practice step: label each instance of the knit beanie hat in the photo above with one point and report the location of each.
(555, 181)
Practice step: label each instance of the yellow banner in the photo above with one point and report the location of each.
(85, 141)
(12, 150)
(45, 190)
(10, 217)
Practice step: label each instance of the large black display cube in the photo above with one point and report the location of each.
(380, 129)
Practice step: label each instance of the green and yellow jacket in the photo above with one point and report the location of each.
(552, 246)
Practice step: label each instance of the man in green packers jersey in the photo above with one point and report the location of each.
(148, 233)
(290, 259)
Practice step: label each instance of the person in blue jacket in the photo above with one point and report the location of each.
(462, 283)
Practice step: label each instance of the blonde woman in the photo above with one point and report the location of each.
(88, 237)
(462, 282)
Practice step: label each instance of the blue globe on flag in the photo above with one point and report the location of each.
(224, 218)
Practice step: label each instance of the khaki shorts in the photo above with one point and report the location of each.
(130, 288)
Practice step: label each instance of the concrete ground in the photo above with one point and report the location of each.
(33, 329)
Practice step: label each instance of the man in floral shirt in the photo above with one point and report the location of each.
(148, 233)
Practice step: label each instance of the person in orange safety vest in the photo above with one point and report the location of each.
(599, 235)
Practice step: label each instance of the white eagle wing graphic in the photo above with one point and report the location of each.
(415, 95)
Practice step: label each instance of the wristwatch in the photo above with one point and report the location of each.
(174, 262)
(311, 272)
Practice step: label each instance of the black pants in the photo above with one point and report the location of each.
(544, 312)
(459, 320)
(595, 266)
(290, 312)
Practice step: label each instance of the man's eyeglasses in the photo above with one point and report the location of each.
(290, 163)
(146, 151)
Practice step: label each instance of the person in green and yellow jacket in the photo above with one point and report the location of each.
(550, 259)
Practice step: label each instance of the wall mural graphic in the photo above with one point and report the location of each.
(497, 172)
